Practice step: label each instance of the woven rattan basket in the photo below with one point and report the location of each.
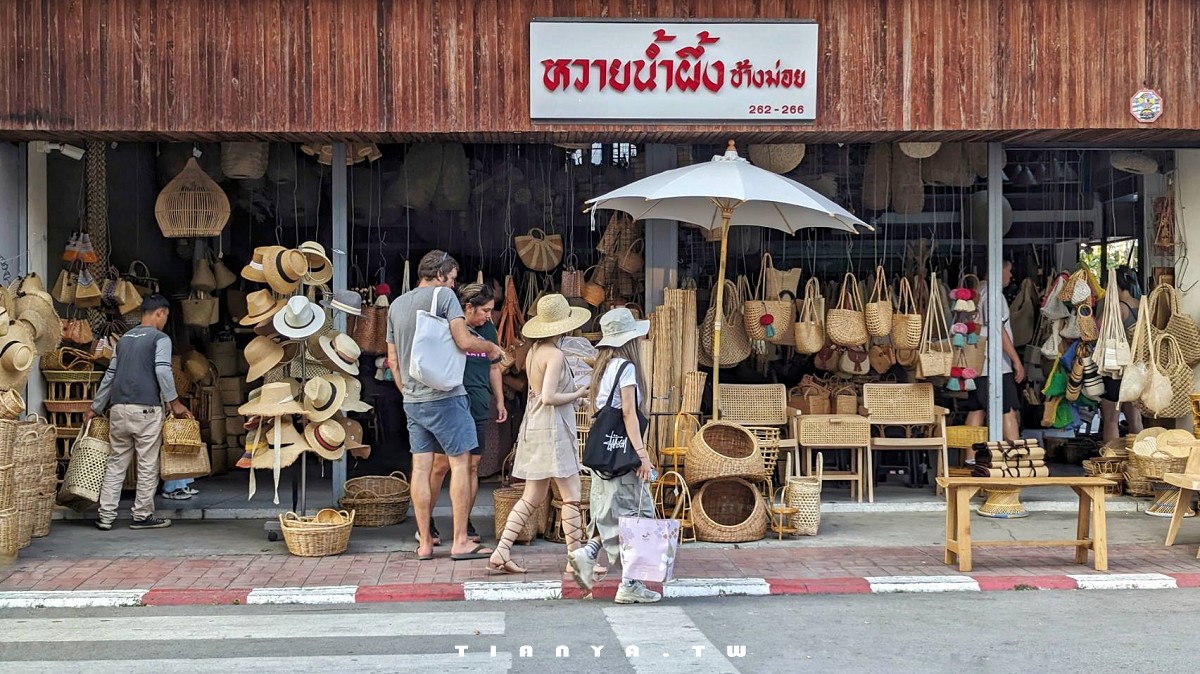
(85, 473)
(585, 488)
(505, 498)
(1136, 485)
(378, 500)
(191, 205)
(1155, 466)
(965, 437)
(8, 488)
(43, 514)
(803, 494)
(182, 465)
(9, 532)
(319, 536)
(722, 449)
(555, 530)
(729, 511)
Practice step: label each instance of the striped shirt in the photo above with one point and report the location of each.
(139, 373)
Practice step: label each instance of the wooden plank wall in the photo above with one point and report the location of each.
(407, 69)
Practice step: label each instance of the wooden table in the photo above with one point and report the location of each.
(959, 491)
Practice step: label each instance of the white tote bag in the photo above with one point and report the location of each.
(436, 360)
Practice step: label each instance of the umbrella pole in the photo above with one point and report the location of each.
(726, 214)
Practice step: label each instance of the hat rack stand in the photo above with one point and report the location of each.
(300, 485)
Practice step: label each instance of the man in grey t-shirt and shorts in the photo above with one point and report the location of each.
(438, 421)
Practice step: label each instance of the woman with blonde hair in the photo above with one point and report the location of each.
(618, 383)
(547, 444)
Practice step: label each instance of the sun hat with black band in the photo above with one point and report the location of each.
(299, 318)
(16, 360)
(323, 396)
(618, 327)
(254, 270)
(327, 439)
(273, 400)
(555, 316)
(284, 269)
(261, 305)
(339, 352)
(345, 301)
(320, 270)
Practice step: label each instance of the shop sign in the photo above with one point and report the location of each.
(673, 72)
(1146, 106)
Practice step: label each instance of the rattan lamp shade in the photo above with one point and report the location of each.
(191, 205)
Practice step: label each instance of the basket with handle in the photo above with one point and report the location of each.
(804, 496)
(934, 357)
(878, 311)
(845, 323)
(505, 499)
(378, 500)
(180, 435)
(769, 318)
(907, 322)
(317, 536)
(85, 472)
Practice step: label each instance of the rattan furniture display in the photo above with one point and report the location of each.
(1090, 519)
(910, 407)
(763, 410)
(1188, 483)
(837, 431)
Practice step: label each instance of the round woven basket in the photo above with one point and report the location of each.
(729, 511)
(316, 536)
(585, 489)
(378, 500)
(8, 489)
(803, 493)
(12, 405)
(777, 157)
(505, 498)
(555, 533)
(722, 449)
(920, 150)
(1155, 466)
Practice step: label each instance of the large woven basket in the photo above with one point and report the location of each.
(43, 514)
(192, 205)
(242, 161)
(729, 511)
(8, 436)
(1155, 466)
(722, 449)
(804, 495)
(9, 532)
(585, 489)
(180, 435)
(318, 536)
(8, 487)
(182, 465)
(85, 473)
(378, 500)
(505, 498)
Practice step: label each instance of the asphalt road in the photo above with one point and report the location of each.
(1062, 631)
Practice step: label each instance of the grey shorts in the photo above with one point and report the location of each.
(443, 426)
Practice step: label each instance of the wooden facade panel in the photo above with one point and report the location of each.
(386, 69)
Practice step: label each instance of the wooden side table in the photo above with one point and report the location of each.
(838, 431)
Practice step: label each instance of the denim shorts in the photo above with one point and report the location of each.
(443, 426)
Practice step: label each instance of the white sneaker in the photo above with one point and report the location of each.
(177, 495)
(583, 567)
(192, 492)
(637, 593)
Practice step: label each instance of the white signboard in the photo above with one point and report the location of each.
(673, 72)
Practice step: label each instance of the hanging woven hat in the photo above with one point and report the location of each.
(353, 401)
(323, 396)
(1133, 162)
(777, 157)
(299, 318)
(354, 436)
(284, 269)
(920, 150)
(262, 455)
(273, 400)
(45, 325)
(320, 269)
(338, 351)
(555, 316)
(262, 353)
(326, 439)
(16, 360)
(261, 306)
(345, 301)
(254, 270)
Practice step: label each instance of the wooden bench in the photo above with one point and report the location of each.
(959, 491)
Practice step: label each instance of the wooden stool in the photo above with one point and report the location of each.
(681, 504)
(782, 516)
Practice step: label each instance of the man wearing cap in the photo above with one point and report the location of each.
(438, 421)
(135, 386)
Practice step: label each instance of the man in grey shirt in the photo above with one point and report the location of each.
(438, 421)
(135, 386)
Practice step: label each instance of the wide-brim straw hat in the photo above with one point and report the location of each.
(261, 306)
(291, 444)
(16, 361)
(263, 353)
(555, 316)
(273, 400)
(327, 439)
(354, 401)
(254, 270)
(38, 309)
(299, 318)
(354, 438)
(619, 327)
(323, 396)
(338, 351)
(320, 269)
(284, 269)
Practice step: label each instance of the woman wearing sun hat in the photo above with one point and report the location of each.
(547, 445)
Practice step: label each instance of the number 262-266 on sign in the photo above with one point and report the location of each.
(776, 110)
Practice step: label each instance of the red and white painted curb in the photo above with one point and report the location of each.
(548, 589)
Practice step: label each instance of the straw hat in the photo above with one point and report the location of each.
(5, 319)
(1133, 162)
(1177, 442)
(323, 396)
(354, 436)
(339, 352)
(345, 301)
(47, 325)
(555, 316)
(16, 360)
(299, 318)
(42, 333)
(320, 270)
(273, 400)
(261, 305)
(263, 353)
(619, 327)
(262, 454)
(284, 268)
(254, 270)
(353, 401)
(326, 439)
(198, 367)
(920, 150)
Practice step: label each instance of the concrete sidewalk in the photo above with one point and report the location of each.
(232, 562)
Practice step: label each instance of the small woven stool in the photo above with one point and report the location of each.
(1003, 503)
(1165, 501)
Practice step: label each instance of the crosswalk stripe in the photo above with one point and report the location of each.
(171, 628)
(665, 637)
(451, 663)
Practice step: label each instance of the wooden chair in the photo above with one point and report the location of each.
(1189, 484)
(763, 410)
(908, 406)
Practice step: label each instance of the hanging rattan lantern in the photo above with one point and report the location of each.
(920, 150)
(191, 205)
(777, 157)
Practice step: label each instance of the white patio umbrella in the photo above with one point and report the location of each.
(724, 192)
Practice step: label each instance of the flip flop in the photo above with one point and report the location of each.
(473, 554)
